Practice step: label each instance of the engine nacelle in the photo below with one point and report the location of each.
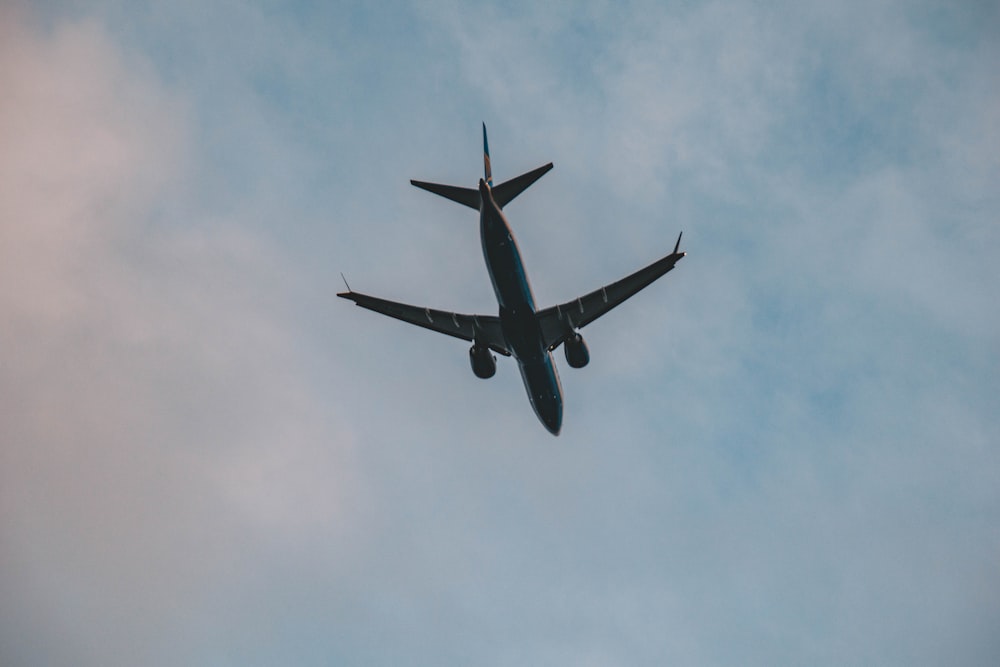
(577, 354)
(484, 364)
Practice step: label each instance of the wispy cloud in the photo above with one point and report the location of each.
(151, 390)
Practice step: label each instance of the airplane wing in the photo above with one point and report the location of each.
(482, 328)
(560, 322)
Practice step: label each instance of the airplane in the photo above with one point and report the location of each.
(519, 330)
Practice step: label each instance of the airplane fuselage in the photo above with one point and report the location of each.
(517, 312)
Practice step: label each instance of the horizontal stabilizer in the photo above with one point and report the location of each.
(467, 196)
(504, 193)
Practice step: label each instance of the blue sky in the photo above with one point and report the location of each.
(787, 451)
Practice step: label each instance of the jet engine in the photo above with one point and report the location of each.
(577, 354)
(484, 364)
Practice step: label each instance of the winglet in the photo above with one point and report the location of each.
(349, 294)
(677, 247)
(488, 172)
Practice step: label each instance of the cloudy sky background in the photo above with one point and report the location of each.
(785, 452)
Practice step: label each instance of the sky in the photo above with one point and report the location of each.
(786, 451)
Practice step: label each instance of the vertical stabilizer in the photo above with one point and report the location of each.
(488, 172)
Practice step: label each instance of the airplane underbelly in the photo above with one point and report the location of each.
(503, 260)
(523, 334)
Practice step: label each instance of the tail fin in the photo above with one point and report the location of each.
(503, 194)
(487, 172)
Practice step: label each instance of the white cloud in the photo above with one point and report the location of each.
(156, 422)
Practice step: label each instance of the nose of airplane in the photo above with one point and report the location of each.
(550, 414)
(554, 425)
